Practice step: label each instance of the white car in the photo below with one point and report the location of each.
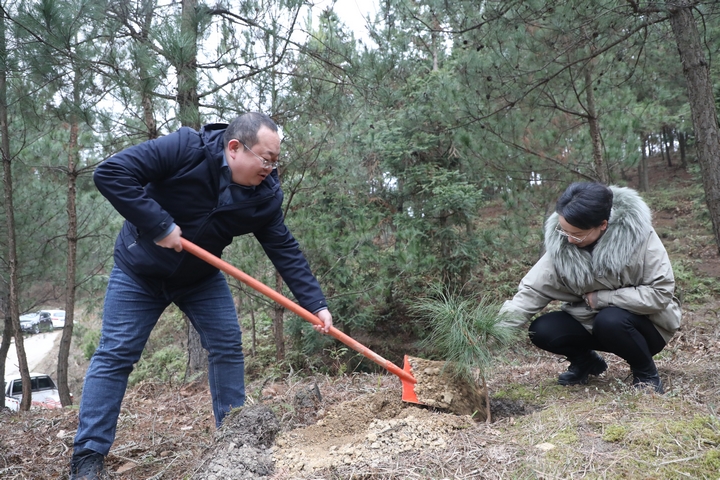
(44, 392)
(57, 317)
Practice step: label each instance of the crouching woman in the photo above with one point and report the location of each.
(607, 265)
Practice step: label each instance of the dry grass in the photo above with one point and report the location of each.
(542, 430)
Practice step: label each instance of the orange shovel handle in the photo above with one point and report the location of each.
(294, 307)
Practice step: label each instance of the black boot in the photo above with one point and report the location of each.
(581, 367)
(647, 378)
(87, 465)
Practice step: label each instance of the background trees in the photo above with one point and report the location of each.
(391, 149)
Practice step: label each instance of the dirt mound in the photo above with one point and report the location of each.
(438, 387)
(242, 448)
(368, 430)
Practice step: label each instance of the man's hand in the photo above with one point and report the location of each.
(172, 240)
(326, 318)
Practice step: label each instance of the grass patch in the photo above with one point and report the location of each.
(632, 435)
(615, 433)
(691, 287)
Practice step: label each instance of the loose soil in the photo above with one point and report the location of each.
(357, 426)
(437, 386)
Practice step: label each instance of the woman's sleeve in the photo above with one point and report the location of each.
(656, 288)
(537, 289)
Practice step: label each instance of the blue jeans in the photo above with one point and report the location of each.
(129, 315)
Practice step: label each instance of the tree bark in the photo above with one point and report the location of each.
(187, 97)
(241, 307)
(197, 356)
(702, 104)
(642, 167)
(279, 323)
(681, 141)
(594, 124)
(145, 80)
(72, 236)
(5, 347)
(189, 114)
(12, 258)
(665, 136)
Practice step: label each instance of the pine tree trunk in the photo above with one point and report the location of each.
(12, 259)
(278, 323)
(642, 167)
(594, 124)
(702, 104)
(197, 356)
(5, 347)
(187, 97)
(189, 114)
(666, 144)
(72, 235)
(242, 307)
(681, 141)
(253, 333)
(146, 85)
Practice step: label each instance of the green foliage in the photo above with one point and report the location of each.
(166, 365)
(337, 355)
(88, 339)
(464, 331)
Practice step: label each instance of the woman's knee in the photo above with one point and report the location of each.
(611, 321)
(543, 330)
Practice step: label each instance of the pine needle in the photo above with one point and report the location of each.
(465, 331)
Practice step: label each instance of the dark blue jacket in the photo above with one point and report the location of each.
(176, 178)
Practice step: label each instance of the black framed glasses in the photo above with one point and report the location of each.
(265, 162)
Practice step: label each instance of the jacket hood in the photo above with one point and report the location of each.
(213, 132)
(629, 225)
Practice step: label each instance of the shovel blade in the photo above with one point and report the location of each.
(408, 388)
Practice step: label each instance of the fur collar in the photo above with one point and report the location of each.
(629, 225)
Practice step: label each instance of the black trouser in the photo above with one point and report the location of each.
(627, 335)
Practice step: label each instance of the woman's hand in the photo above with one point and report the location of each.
(591, 299)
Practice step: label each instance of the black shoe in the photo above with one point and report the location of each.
(581, 367)
(647, 379)
(87, 465)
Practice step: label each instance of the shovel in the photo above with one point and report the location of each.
(407, 379)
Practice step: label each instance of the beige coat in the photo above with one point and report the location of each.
(629, 268)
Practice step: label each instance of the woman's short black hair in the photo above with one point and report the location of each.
(585, 205)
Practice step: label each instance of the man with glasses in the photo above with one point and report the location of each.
(608, 267)
(209, 187)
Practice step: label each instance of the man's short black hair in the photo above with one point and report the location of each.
(246, 126)
(585, 205)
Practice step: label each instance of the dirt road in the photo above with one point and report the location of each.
(36, 348)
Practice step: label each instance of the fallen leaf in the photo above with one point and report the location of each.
(126, 466)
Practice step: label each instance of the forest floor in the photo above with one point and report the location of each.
(356, 426)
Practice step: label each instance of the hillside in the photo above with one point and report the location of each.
(356, 426)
